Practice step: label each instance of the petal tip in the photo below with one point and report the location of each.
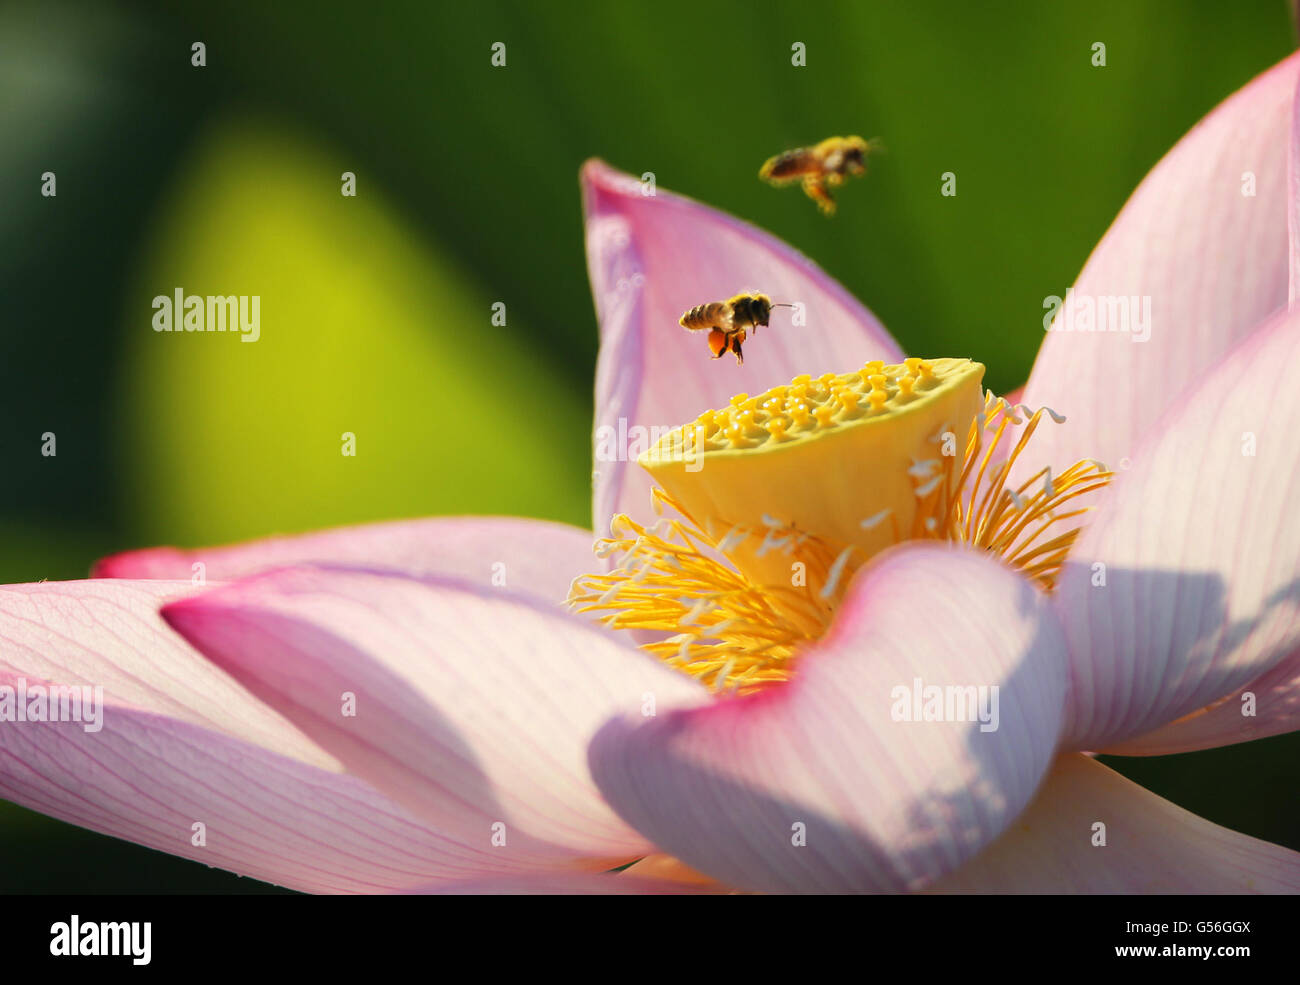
(604, 186)
(151, 562)
(180, 614)
(595, 172)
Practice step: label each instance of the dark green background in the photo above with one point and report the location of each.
(225, 176)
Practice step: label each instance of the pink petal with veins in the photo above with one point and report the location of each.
(533, 556)
(473, 707)
(817, 785)
(180, 743)
(1185, 584)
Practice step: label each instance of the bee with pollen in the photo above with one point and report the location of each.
(730, 322)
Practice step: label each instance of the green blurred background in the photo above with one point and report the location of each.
(225, 179)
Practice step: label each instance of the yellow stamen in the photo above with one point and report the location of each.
(780, 498)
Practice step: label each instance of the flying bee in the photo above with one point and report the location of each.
(825, 164)
(730, 322)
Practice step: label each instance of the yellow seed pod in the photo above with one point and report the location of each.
(844, 460)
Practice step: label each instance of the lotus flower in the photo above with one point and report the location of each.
(738, 694)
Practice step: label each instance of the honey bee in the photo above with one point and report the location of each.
(730, 322)
(826, 164)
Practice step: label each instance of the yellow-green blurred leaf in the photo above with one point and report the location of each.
(364, 329)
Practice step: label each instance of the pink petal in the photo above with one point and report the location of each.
(181, 743)
(533, 556)
(1213, 261)
(108, 633)
(1151, 846)
(473, 707)
(1201, 554)
(651, 258)
(886, 804)
(1276, 707)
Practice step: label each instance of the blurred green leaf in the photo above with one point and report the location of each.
(364, 329)
(1046, 147)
